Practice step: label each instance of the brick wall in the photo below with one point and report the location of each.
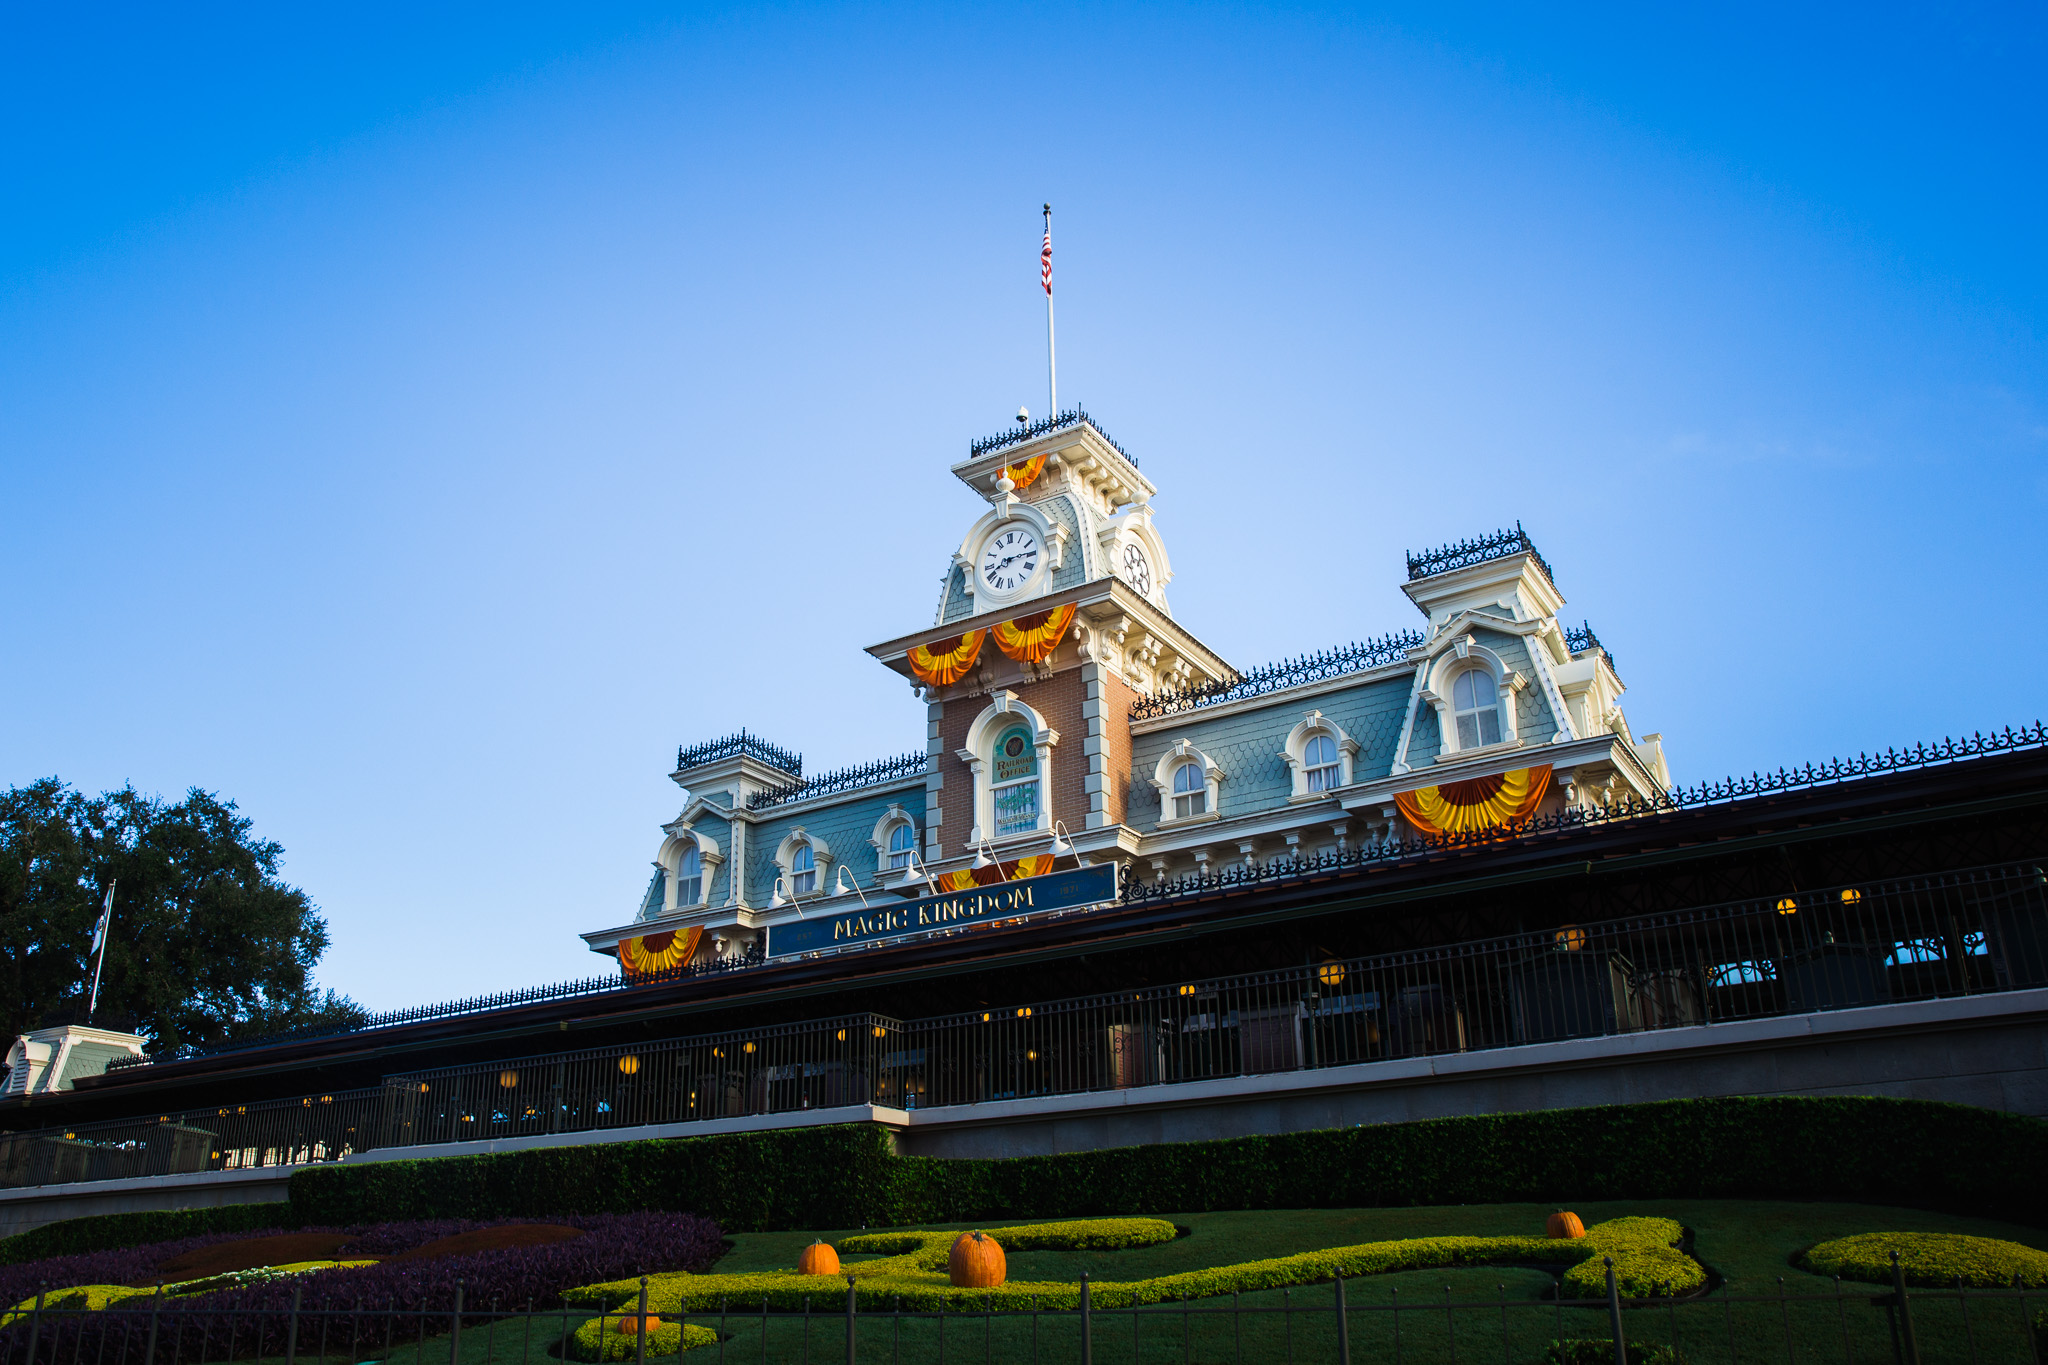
(1058, 699)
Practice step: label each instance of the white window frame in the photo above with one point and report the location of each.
(1443, 674)
(1180, 755)
(978, 753)
(1313, 725)
(893, 819)
(670, 859)
(785, 863)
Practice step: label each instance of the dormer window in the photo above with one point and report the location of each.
(902, 842)
(1189, 784)
(690, 877)
(803, 871)
(1319, 763)
(1014, 782)
(1475, 703)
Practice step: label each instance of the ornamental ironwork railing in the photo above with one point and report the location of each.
(1274, 677)
(740, 745)
(842, 780)
(1578, 639)
(1798, 951)
(1239, 876)
(481, 1004)
(1031, 431)
(232, 1137)
(1465, 553)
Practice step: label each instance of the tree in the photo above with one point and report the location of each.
(208, 944)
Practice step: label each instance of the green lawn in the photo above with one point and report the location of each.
(1749, 1244)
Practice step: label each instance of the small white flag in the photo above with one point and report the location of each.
(99, 933)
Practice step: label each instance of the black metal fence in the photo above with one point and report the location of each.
(1835, 948)
(819, 1064)
(1334, 1321)
(237, 1137)
(1277, 872)
(1963, 933)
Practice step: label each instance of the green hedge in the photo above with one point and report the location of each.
(1881, 1151)
(834, 1176)
(1858, 1150)
(1936, 1259)
(108, 1231)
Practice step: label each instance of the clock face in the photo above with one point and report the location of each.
(1137, 570)
(1009, 559)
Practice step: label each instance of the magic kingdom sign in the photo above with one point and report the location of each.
(977, 906)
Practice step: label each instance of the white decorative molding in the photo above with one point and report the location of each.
(1182, 754)
(976, 752)
(680, 839)
(821, 857)
(1294, 753)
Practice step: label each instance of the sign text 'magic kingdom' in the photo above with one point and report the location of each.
(958, 909)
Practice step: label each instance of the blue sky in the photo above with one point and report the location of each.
(413, 426)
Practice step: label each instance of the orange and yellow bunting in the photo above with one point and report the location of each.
(945, 666)
(1030, 639)
(651, 953)
(967, 878)
(1026, 474)
(1477, 804)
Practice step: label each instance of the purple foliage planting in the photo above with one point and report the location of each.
(360, 1309)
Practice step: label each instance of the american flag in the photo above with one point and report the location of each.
(1045, 263)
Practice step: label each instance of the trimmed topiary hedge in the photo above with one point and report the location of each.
(113, 1231)
(1859, 1150)
(834, 1176)
(1645, 1252)
(1936, 1259)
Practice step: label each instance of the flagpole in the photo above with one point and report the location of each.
(1052, 374)
(106, 916)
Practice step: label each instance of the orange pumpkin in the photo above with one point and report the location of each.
(818, 1259)
(633, 1326)
(1566, 1224)
(976, 1262)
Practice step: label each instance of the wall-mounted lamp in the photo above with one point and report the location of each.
(845, 882)
(1063, 843)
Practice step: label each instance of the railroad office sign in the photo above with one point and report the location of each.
(979, 905)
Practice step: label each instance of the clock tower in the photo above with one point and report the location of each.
(1052, 620)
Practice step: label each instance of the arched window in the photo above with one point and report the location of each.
(902, 840)
(1190, 791)
(803, 871)
(1013, 781)
(1319, 763)
(690, 877)
(1475, 702)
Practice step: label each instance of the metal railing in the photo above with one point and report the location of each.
(1957, 934)
(820, 1064)
(1806, 951)
(1274, 873)
(289, 1132)
(1580, 638)
(1257, 682)
(842, 779)
(1478, 550)
(1031, 431)
(735, 746)
(1336, 1320)
(1279, 871)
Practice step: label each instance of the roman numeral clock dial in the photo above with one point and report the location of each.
(1009, 559)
